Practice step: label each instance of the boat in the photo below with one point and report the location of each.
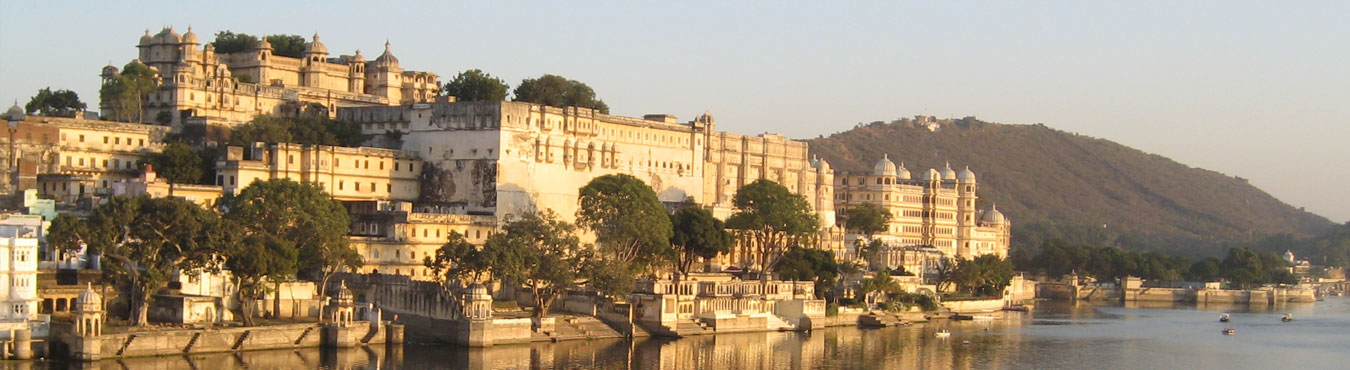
(1017, 308)
(962, 317)
(982, 317)
(1230, 331)
(1287, 318)
(1224, 318)
(942, 333)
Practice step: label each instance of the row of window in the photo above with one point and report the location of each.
(115, 140)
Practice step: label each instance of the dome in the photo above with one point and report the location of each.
(316, 46)
(147, 39)
(109, 71)
(190, 37)
(903, 173)
(966, 175)
(932, 175)
(822, 166)
(387, 59)
(344, 295)
(948, 173)
(15, 114)
(89, 300)
(264, 44)
(169, 36)
(884, 167)
(993, 216)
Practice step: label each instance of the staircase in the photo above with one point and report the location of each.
(686, 328)
(304, 334)
(193, 341)
(773, 322)
(130, 338)
(240, 342)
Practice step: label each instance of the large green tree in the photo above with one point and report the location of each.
(697, 234)
(301, 214)
(299, 130)
(458, 260)
(476, 85)
(806, 264)
(227, 42)
(146, 239)
(59, 103)
(124, 94)
(985, 275)
(256, 260)
(178, 163)
(541, 254)
(773, 220)
(288, 45)
(867, 219)
(558, 91)
(629, 221)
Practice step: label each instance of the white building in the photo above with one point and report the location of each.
(18, 283)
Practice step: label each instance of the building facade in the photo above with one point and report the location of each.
(348, 174)
(67, 159)
(196, 83)
(935, 211)
(18, 281)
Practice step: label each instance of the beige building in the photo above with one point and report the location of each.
(198, 84)
(936, 209)
(67, 159)
(348, 174)
(393, 238)
(510, 158)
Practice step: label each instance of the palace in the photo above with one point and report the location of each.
(936, 210)
(200, 85)
(503, 159)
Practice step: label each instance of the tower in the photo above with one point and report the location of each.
(341, 307)
(312, 66)
(89, 313)
(477, 302)
(965, 210)
(384, 76)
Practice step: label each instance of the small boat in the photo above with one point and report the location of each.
(942, 333)
(1230, 331)
(1017, 308)
(1224, 318)
(962, 317)
(982, 317)
(1287, 318)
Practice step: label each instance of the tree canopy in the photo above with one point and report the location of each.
(59, 103)
(985, 275)
(867, 219)
(146, 239)
(298, 130)
(807, 264)
(773, 218)
(122, 95)
(558, 91)
(458, 260)
(227, 42)
(629, 221)
(476, 85)
(179, 163)
(300, 214)
(541, 254)
(697, 234)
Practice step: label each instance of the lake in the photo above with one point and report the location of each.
(1055, 335)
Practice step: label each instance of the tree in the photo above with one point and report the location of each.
(254, 260)
(66, 234)
(880, 283)
(1205, 270)
(804, 264)
(227, 42)
(123, 95)
(867, 219)
(61, 103)
(177, 164)
(985, 275)
(288, 45)
(302, 214)
(298, 130)
(539, 253)
(697, 234)
(147, 239)
(458, 260)
(629, 222)
(557, 91)
(476, 85)
(773, 218)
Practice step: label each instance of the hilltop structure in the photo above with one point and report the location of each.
(197, 84)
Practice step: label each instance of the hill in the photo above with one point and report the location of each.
(1056, 184)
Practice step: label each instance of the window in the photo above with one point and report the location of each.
(117, 140)
(81, 138)
(340, 184)
(105, 139)
(389, 188)
(372, 186)
(141, 142)
(290, 158)
(358, 186)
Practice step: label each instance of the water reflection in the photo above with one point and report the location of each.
(1054, 335)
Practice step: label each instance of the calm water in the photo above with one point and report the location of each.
(1055, 335)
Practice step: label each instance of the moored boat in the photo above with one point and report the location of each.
(1224, 318)
(943, 333)
(1287, 318)
(1230, 331)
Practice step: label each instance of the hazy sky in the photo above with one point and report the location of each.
(1255, 89)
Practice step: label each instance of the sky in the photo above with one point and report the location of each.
(1255, 89)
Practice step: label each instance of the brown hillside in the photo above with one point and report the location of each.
(1053, 183)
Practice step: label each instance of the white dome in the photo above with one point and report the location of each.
(89, 300)
(948, 173)
(821, 165)
(903, 173)
(147, 39)
(190, 37)
(884, 167)
(932, 175)
(966, 176)
(387, 59)
(316, 46)
(993, 216)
